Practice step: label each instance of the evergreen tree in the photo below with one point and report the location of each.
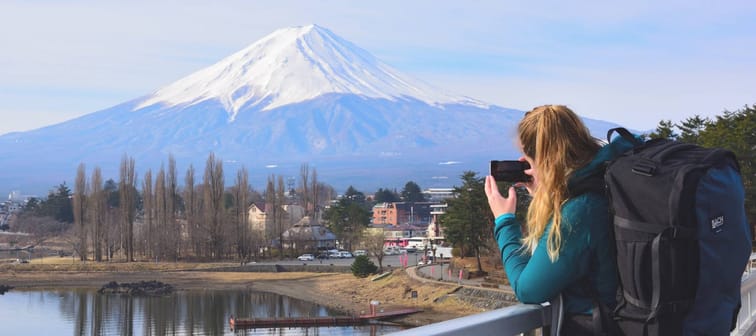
(385, 196)
(691, 127)
(348, 217)
(412, 193)
(467, 222)
(665, 130)
(363, 266)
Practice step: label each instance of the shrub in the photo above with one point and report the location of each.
(362, 266)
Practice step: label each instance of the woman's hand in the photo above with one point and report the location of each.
(500, 204)
(530, 186)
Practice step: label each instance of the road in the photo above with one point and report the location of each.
(392, 260)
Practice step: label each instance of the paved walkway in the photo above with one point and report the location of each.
(440, 273)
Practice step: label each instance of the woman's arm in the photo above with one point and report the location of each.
(536, 278)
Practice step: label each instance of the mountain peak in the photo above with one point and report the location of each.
(292, 65)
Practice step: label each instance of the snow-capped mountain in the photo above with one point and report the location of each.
(298, 95)
(293, 65)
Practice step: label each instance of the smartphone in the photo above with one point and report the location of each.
(510, 171)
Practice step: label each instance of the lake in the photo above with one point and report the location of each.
(85, 312)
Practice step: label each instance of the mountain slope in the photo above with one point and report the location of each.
(299, 95)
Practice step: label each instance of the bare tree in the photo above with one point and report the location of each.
(148, 207)
(241, 200)
(96, 212)
(191, 211)
(315, 190)
(280, 214)
(304, 174)
(127, 191)
(161, 217)
(271, 212)
(79, 210)
(174, 230)
(373, 243)
(213, 187)
(111, 228)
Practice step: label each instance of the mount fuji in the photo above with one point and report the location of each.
(299, 95)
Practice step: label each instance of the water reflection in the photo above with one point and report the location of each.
(84, 312)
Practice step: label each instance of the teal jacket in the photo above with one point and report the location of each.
(587, 245)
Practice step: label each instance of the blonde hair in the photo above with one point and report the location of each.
(558, 142)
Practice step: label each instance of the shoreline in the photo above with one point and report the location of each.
(340, 291)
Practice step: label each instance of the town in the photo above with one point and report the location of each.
(295, 227)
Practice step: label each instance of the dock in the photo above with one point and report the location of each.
(319, 321)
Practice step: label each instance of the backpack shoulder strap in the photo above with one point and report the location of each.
(624, 133)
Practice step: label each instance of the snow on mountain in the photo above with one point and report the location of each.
(292, 65)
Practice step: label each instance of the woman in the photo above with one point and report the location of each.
(567, 247)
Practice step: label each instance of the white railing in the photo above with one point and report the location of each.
(525, 319)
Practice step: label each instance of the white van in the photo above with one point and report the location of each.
(441, 252)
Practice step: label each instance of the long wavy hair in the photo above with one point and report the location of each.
(558, 142)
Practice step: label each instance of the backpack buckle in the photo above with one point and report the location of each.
(644, 167)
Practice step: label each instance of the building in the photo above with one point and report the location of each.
(402, 213)
(260, 220)
(308, 235)
(438, 194)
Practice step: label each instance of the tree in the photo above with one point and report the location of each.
(127, 190)
(111, 230)
(148, 207)
(280, 213)
(271, 227)
(79, 210)
(691, 128)
(97, 212)
(161, 214)
(213, 188)
(353, 195)
(665, 130)
(468, 218)
(171, 200)
(412, 193)
(348, 217)
(304, 177)
(315, 190)
(373, 243)
(58, 204)
(241, 200)
(362, 266)
(385, 196)
(191, 212)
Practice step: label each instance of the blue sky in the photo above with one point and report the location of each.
(633, 63)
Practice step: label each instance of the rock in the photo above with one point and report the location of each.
(142, 288)
(5, 288)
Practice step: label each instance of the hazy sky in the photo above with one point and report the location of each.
(632, 62)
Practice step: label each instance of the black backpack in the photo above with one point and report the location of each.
(682, 238)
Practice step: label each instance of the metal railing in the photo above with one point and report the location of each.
(528, 319)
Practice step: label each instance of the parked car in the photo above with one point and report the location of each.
(306, 257)
(359, 253)
(409, 249)
(391, 250)
(345, 254)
